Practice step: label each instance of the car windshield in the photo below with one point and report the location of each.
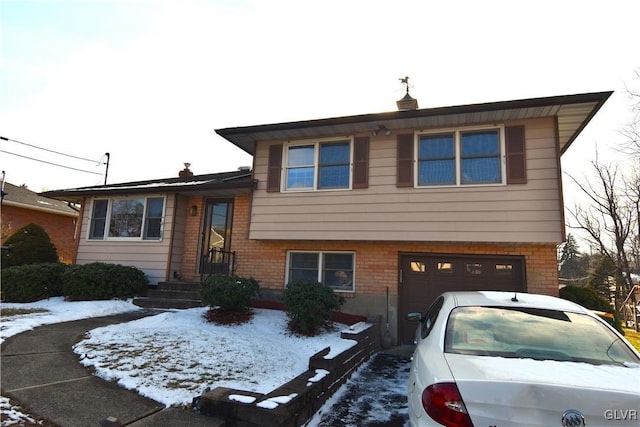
(535, 334)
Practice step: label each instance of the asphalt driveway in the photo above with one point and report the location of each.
(376, 396)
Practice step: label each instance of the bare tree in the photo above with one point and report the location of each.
(631, 130)
(610, 219)
(632, 184)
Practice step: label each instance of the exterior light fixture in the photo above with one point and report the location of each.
(382, 129)
(193, 210)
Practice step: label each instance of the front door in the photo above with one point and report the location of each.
(216, 257)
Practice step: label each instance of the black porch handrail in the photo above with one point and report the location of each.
(217, 261)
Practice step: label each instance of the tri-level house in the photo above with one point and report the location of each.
(387, 209)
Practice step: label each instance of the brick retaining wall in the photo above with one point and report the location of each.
(297, 401)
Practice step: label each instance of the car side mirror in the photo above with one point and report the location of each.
(414, 316)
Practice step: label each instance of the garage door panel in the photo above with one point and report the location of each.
(425, 276)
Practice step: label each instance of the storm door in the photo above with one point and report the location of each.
(216, 256)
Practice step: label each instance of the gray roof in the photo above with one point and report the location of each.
(222, 184)
(27, 199)
(572, 112)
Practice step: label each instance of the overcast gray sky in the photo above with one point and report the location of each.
(149, 81)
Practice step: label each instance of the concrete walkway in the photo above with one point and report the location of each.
(40, 371)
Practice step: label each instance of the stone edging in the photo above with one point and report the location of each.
(295, 402)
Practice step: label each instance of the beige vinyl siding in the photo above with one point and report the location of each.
(150, 256)
(528, 212)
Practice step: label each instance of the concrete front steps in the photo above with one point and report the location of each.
(171, 295)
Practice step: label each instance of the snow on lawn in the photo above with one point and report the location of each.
(13, 415)
(55, 310)
(174, 356)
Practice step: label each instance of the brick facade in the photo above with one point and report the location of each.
(192, 240)
(60, 228)
(377, 262)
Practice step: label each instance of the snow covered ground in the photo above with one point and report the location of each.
(173, 356)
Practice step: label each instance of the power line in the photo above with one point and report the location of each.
(50, 163)
(50, 151)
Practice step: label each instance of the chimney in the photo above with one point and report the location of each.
(186, 172)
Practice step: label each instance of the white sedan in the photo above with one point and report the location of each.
(498, 359)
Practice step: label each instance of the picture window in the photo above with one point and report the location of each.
(127, 219)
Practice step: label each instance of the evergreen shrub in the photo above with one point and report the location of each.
(33, 282)
(231, 293)
(310, 306)
(102, 281)
(589, 298)
(29, 245)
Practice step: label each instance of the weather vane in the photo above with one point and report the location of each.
(405, 82)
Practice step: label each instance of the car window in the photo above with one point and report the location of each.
(430, 318)
(534, 334)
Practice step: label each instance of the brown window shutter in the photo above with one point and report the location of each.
(361, 162)
(275, 167)
(404, 176)
(516, 155)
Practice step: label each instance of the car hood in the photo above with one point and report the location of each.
(525, 392)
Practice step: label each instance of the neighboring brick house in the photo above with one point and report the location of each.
(21, 206)
(388, 209)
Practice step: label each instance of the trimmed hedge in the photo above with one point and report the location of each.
(101, 281)
(310, 306)
(33, 282)
(232, 293)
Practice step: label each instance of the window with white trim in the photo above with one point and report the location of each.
(322, 165)
(127, 219)
(461, 157)
(333, 269)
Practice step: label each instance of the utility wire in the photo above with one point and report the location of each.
(50, 151)
(50, 163)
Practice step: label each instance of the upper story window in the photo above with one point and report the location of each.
(323, 165)
(460, 157)
(135, 219)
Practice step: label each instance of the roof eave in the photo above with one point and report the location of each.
(228, 187)
(247, 136)
(54, 211)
